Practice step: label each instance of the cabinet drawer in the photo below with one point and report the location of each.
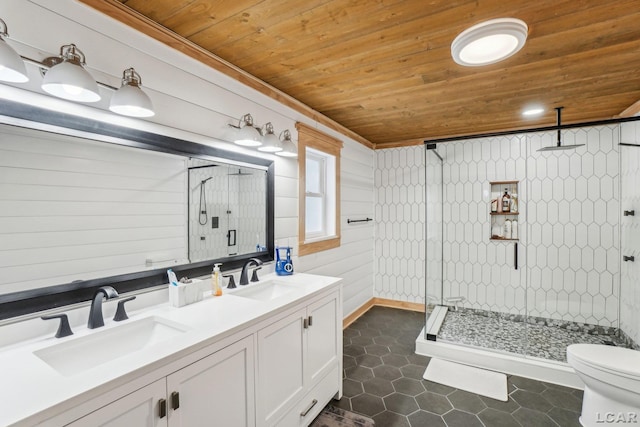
(321, 394)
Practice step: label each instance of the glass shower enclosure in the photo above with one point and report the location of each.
(560, 278)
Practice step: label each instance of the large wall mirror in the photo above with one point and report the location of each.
(85, 203)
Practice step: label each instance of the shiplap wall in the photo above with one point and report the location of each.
(197, 103)
(74, 209)
(353, 260)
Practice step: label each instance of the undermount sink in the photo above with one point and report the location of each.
(78, 355)
(265, 291)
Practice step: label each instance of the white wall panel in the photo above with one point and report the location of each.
(66, 206)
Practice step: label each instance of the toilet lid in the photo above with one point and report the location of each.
(618, 359)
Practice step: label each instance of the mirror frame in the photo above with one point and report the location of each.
(34, 300)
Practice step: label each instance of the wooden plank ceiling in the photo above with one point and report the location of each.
(383, 68)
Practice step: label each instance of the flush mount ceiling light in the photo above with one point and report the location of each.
(559, 145)
(248, 135)
(270, 142)
(12, 69)
(130, 100)
(288, 147)
(489, 42)
(532, 111)
(67, 77)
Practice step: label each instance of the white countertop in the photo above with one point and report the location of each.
(31, 390)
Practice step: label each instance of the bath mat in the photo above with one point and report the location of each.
(475, 380)
(336, 417)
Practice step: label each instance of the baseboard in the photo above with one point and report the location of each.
(381, 302)
(357, 313)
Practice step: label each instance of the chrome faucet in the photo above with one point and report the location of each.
(244, 277)
(95, 314)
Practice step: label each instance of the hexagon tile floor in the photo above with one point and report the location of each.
(383, 380)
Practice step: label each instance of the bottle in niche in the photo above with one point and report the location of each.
(514, 229)
(494, 205)
(506, 201)
(514, 203)
(507, 230)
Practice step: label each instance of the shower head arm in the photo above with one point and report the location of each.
(559, 110)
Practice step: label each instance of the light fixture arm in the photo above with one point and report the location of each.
(131, 77)
(245, 120)
(266, 129)
(4, 31)
(285, 135)
(71, 53)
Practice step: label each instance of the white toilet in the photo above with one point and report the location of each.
(612, 384)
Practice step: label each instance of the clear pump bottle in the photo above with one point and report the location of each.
(216, 289)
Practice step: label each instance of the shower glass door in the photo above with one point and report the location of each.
(433, 231)
(479, 279)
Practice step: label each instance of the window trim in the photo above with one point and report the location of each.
(320, 194)
(309, 137)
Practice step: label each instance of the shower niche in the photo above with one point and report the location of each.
(504, 211)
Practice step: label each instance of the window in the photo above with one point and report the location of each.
(319, 195)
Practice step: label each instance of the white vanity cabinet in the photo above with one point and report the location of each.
(278, 368)
(218, 388)
(140, 408)
(295, 355)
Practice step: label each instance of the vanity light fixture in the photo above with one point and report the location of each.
(270, 142)
(248, 135)
(67, 78)
(489, 42)
(288, 147)
(130, 99)
(12, 69)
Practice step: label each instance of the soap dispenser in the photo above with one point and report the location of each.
(216, 289)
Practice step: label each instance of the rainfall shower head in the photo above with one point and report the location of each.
(559, 145)
(240, 173)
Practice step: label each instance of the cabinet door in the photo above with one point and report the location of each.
(323, 340)
(140, 408)
(217, 390)
(280, 366)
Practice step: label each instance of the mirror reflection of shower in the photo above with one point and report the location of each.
(227, 210)
(202, 209)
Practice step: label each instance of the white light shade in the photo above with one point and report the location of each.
(289, 149)
(70, 81)
(130, 100)
(270, 144)
(12, 68)
(489, 42)
(248, 136)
